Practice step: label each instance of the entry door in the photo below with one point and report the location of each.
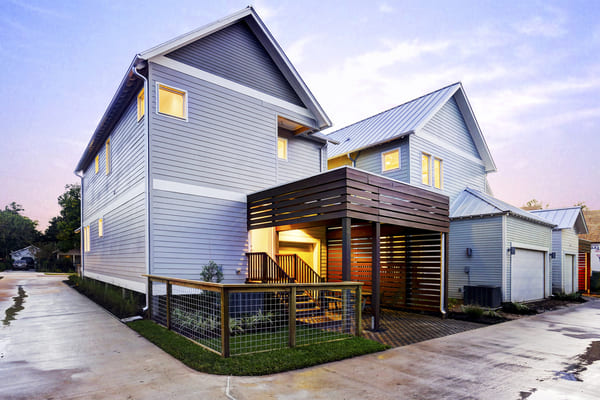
(527, 275)
(569, 274)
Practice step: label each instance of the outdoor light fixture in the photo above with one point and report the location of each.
(553, 255)
(513, 250)
(469, 252)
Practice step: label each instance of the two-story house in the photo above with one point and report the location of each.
(210, 151)
(434, 142)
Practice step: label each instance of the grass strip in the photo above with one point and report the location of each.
(264, 363)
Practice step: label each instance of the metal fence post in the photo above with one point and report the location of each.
(169, 305)
(358, 310)
(292, 317)
(150, 298)
(225, 322)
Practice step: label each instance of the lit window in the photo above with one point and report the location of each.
(172, 101)
(107, 156)
(282, 148)
(140, 105)
(437, 173)
(425, 161)
(100, 227)
(390, 160)
(86, 238)
(96, 163)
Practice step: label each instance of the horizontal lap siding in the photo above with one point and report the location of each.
(189, 231)
(235, 53)
(557, 262)
(484, 236)
(302, 159)
(120, 253)
(528, 233)
(570, 245)
(370, 160)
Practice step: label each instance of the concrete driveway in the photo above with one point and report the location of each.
(61, 345)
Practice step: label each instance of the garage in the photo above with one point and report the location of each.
(570, 277)
(527, 277)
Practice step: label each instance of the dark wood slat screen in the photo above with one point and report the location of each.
(348, 192)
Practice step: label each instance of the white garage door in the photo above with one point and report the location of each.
(527, 275)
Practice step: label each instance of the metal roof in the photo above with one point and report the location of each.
(131, 83)
(565, 218)
(473, 203)
(407, 119)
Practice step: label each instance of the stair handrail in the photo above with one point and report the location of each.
(262, 268)
(300, 271)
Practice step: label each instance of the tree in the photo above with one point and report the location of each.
(581, 204)
(16, 230)
(69, 220)
(534, 204)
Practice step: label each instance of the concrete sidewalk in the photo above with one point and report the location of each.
(61, 345)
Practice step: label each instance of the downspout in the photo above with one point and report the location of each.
(443, 276)
(321, 157)
(80, 221)
(146, 168)
(354, 159)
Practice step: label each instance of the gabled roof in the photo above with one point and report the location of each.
(407, 119)
(565, 218)
(131, 83)
(472, 203)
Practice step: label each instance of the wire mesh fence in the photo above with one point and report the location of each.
(241, 319)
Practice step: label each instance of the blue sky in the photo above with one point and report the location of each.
(530, 70)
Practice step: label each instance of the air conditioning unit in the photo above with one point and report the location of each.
(483, 295)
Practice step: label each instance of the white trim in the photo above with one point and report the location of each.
(506, 260)
(115, 203)
(226, 83)
(176, 89)
(125, 283)
(196, 190)
(529, 246)
(383, 153)
(437, 141)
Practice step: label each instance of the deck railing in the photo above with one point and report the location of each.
(297, 269)
(233, 319)
(262, 268)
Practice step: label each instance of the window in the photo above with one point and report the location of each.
(86, 238)
(96, 163)
(140, 105)
(425, 161)
(437, 173)
(100, 227)
(172, 101)
(390, 160)
(107, 156)
(282, 148)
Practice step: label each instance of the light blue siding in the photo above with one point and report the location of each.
(235, 53)
(458, 173)
(370, 160)
(484, 236)
(532, 234)
(302, 158)
(564, 241)
(557, 262)
(118, 198)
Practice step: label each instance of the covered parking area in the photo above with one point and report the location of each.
(387, 234)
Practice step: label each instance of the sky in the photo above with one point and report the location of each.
(530, 69)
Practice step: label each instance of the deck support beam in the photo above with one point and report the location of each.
(376, 274)
(346, 249)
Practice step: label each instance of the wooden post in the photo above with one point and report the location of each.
(376, 274)
(346, 249)
(150, 298)
(292, 317)
(169, 305)
(358, 310)
(264, 268)
(225, 322)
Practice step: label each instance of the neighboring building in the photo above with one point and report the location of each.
(569, 222)
(496, 244)
(432, 142)
(592, 219)
(196, 124)
(29, 251)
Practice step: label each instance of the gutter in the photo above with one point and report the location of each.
(443, 277)
(146, 164)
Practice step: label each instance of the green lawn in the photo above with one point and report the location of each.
(262, 363)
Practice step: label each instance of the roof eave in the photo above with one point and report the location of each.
(396, 137)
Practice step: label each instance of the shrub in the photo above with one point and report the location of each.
(517, 308)
(576, 297)
(121, 302)
(473, 311)
(212, 272)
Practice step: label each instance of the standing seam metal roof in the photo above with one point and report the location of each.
(387, 125)
(564, 218)
(473, 203)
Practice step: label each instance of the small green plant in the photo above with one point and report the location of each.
(474, 312)
(452, 303)
(576, 297)
(212, 272)
(517, 308)
(491, 314)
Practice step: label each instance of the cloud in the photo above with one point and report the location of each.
(296, 51)
(385, 8)
(39, 10)
(552, 25)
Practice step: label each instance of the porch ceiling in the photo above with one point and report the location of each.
(348, 192)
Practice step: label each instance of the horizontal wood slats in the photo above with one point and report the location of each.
(410, 266)
(348, 192)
